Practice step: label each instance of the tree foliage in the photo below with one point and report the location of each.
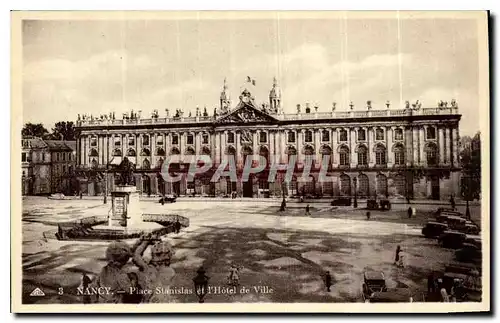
(64, 130)
(470, 160)
(34, 129)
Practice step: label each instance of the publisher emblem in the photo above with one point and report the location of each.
(37, 292)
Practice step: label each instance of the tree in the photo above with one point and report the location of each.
(470, 160)
(34, 129)
(64, 130)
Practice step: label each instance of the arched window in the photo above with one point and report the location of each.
(246, 151)
(379, 134)
(93, 153)
(145, 152)
(308, 136)
(362, 156)
(190, 151)
(117, 153)
(344, 159)
(131, 152)
(399, 154)
(326, 151)
(175, 151)
(398, 134)
(291, 151)
(160, 152)
(309, 153)
(325, 135)
(205, 151)
(381, 185)
(345, 185)
(145, 140)
(146, 164)
(431, 132)
(342, 135)
(361, 135)
(264, 152)
(93, 163)
(432, 156)
(380, 155)
(400, 184)
(363, 186)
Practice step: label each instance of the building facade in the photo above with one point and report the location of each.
(48, 166)
(377, 152)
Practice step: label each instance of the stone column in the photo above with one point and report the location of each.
(182, 142)
(317, 145)
(415, 145)
(441, 145)
(217, 147)
(371, 146)
(82, 150)
(409, 145)
(300, 141)
(197, 142)
(239, 160)
(87, 146)
(352, 144)
(421, 146)
(389, 138)
(334, 139)
(447, 146)
(283, 145)
(455, 142)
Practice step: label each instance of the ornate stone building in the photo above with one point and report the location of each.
(407, 152)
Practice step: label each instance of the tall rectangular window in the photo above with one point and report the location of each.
(23, 157)
(205, 138)
(230, 137)
(343, 135)
(263, 137)
(175, 139)
(325, 135)
(131, 141)
(190, 139)
(379, 134)
(308, 136)
(291, 136)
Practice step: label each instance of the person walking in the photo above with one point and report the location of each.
(328, 281)
(307, 210)
(368, 215)
(177, 226)
(410, 212)
(283, 205)
(452, 202)
(396, 258)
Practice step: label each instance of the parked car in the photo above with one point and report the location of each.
(448, 211)
(454, 222)
(373, 204)
(434, 229)
(469, 253)
(373, 281)
(393, 295)
(452, 239)
(342, 201)
(473, 239)
(471, 228)
(168, 199)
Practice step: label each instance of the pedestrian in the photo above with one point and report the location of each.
(452, 202)
(308, 209)
(283, 205)
(444, 294)
(162, 200)
(368, 215)
(409, 212)
(81, 195)
(328, 281)
(398, 251)
(430, 283)
(408, 199)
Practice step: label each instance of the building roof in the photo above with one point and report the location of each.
(34, 142)
(61, 145)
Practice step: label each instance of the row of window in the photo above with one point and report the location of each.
(63, 156)
(159, 140)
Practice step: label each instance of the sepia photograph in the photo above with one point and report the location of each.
(250, 161)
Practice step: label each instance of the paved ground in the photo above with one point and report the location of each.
(287, 252)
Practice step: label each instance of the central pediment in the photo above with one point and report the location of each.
(246, 112)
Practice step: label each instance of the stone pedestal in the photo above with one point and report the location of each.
(126, 210)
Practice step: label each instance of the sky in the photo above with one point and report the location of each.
(73, 67)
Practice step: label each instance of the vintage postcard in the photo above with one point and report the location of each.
(250, 162)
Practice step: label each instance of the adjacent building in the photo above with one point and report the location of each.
(48, 166)
(408, 152)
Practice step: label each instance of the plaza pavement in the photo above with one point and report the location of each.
(287, 251)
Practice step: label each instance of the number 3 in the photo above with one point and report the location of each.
(60, 291)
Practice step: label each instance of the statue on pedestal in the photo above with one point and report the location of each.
(127, 172)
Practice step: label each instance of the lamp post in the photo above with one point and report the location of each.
(355, 182)
(201, 284)
(467, 196)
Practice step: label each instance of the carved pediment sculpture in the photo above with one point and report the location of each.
(246, 114)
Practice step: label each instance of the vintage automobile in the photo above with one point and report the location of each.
(374, 281)
(454, 222)
(168, 199)
(382, 204)
(470, 285)
(393, 295)
(342, 201)
(474, 239)
(434, 229)
(452, 239)
(448, 211)
(471, 228)
(469, 253)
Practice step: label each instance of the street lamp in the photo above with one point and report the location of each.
(355, 192)
(201, 284)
